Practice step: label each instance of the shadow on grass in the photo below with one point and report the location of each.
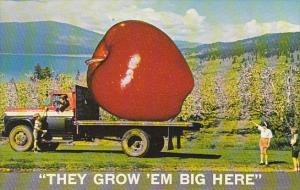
(162, 154)
(277, 162)
(95, 151)
(189, 155)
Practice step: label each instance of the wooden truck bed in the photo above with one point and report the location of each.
(186, 125)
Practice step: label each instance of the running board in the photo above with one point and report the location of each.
(58, 141)
(61, 141)
(64, 139)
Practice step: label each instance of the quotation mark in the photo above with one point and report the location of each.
(257, 176)
(42, 176)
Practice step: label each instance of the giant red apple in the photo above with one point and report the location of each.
(138, 73)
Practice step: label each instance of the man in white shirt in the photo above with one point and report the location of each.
(38, 128)
(264, 142)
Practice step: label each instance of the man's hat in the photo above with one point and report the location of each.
(36, 115)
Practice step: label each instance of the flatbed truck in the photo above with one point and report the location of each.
(81, 121)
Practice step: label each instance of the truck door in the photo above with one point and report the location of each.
(59, 121)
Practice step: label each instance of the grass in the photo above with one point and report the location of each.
(109, 157)
(214, 149)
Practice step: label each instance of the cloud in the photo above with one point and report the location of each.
(99, 16)
(253, 27)
(234, 32)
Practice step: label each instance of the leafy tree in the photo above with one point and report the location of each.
(238, 49)
(47, 73)
(37, 71)
(3, 100)
(42, 73)
(284, 44)
(261, 46)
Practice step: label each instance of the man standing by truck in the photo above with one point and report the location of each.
(38, 128)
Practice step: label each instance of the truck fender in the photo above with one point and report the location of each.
(11, 123)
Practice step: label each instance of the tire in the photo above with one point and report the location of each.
(136, 143)
(157, 144)
(47, 146)
(21, 138)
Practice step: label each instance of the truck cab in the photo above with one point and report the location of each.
(19, 122)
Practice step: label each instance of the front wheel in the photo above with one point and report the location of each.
(21, 138)
(136, 143)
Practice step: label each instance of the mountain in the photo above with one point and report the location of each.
(49, 37)
(21, 40)
(184, 44)
(267, 45)
(46, 37)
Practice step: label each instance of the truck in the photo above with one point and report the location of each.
(81, 121)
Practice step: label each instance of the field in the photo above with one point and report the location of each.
(111, 158)
(211, 151)
(23, 169)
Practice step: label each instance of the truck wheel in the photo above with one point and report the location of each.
(21, 138)
(157, 144)
(47, 146)
(136, 143)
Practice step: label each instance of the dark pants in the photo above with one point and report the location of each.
(295, 152)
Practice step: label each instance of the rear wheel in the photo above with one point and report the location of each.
(136, 143)
(21, 138)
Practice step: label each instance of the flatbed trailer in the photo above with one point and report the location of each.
(157, 129)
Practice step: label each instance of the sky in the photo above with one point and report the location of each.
(201, 21)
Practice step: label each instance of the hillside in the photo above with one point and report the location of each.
(46, 37)
(267, 45)
(185, 45)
